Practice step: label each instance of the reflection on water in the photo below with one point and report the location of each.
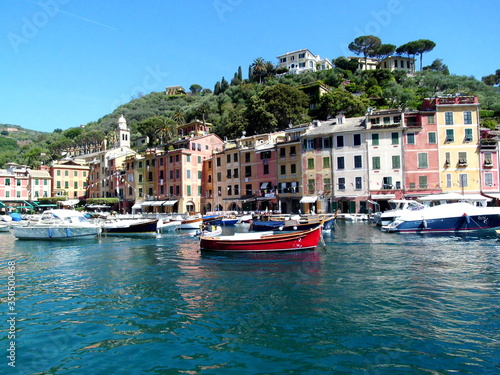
(368, 302)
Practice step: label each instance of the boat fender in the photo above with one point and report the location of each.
(424, 223)
(51, 232)
(467, 218)
(68, 232)
(294, 228)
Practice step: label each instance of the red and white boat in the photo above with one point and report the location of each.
(264, 241)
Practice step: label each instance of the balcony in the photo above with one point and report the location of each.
(462, 163)
(488, 164)
(488, 143)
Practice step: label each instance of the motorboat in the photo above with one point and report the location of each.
(294, 223)
(263, 241)
(449, 217)
(168, 225)
(209, 231)
(191, 223)
(130, 227)
(57, 224)
(398, 206)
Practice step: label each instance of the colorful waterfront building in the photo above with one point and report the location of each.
(289, 169)
(489, 161)
(69, 179)
(182, 167)
(258, 177)
(457, 121)
(385, 154)
(420, 158)
(14, 187)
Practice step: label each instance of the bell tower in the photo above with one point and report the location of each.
(123, 133)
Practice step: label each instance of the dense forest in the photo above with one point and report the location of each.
(267, 100)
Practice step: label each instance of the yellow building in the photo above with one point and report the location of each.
(69, 179)
(457, 120)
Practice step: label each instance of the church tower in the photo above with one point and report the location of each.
(123, 133)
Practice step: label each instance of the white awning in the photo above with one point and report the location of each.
(147, 203)
(157, 203)
(171, 202)
(136, 206)
(309, 199)
(383, 196)
(264, 185)
(70, 202)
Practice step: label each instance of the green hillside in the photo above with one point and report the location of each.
(247, 105)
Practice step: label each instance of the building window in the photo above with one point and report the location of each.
(387, 183)
(199, 159)
(410, 138)
(310, 163)
(340, 141)
(266, 168)
(75, 185)
(463, 180)
(340, 162)
(326, 142)
(188, 190)
(228, 173)
(66, 184)
(188, 175)
(235, 173)
(488, 179)
(431, 137)
(282, 152)
(430, 119)
(450, 135)
(488, 158)
(293, 168)
(358, 183)
(462, 158)
(219, 176)
(228, 158)
(327, 184)
(248, 171)
(310, 186)
(247, 157)
(468, 135)
(357, 161)
(376, 162)
(217, 162)
(309, 144)
(357, 139)
(448, 118)
(422, 160)
(375, 139)
(236, 190)
(422, 182)
(66, 173)
(396, 161)
(341, 182)
(467, 117)
(283, 170)
(292, 151)
(58, 172)
(326, 162)
(395, 138)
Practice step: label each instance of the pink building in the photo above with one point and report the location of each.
(420, 155)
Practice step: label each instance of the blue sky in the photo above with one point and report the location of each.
(68, 62)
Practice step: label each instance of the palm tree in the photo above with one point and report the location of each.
(259, 68)
(179, 116)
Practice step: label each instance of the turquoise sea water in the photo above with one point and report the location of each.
(367, 303)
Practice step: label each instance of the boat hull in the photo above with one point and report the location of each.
(191, 224)
(453, 224)
(54, 233)
(122, 228)
(451, 217)
(303, 240)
